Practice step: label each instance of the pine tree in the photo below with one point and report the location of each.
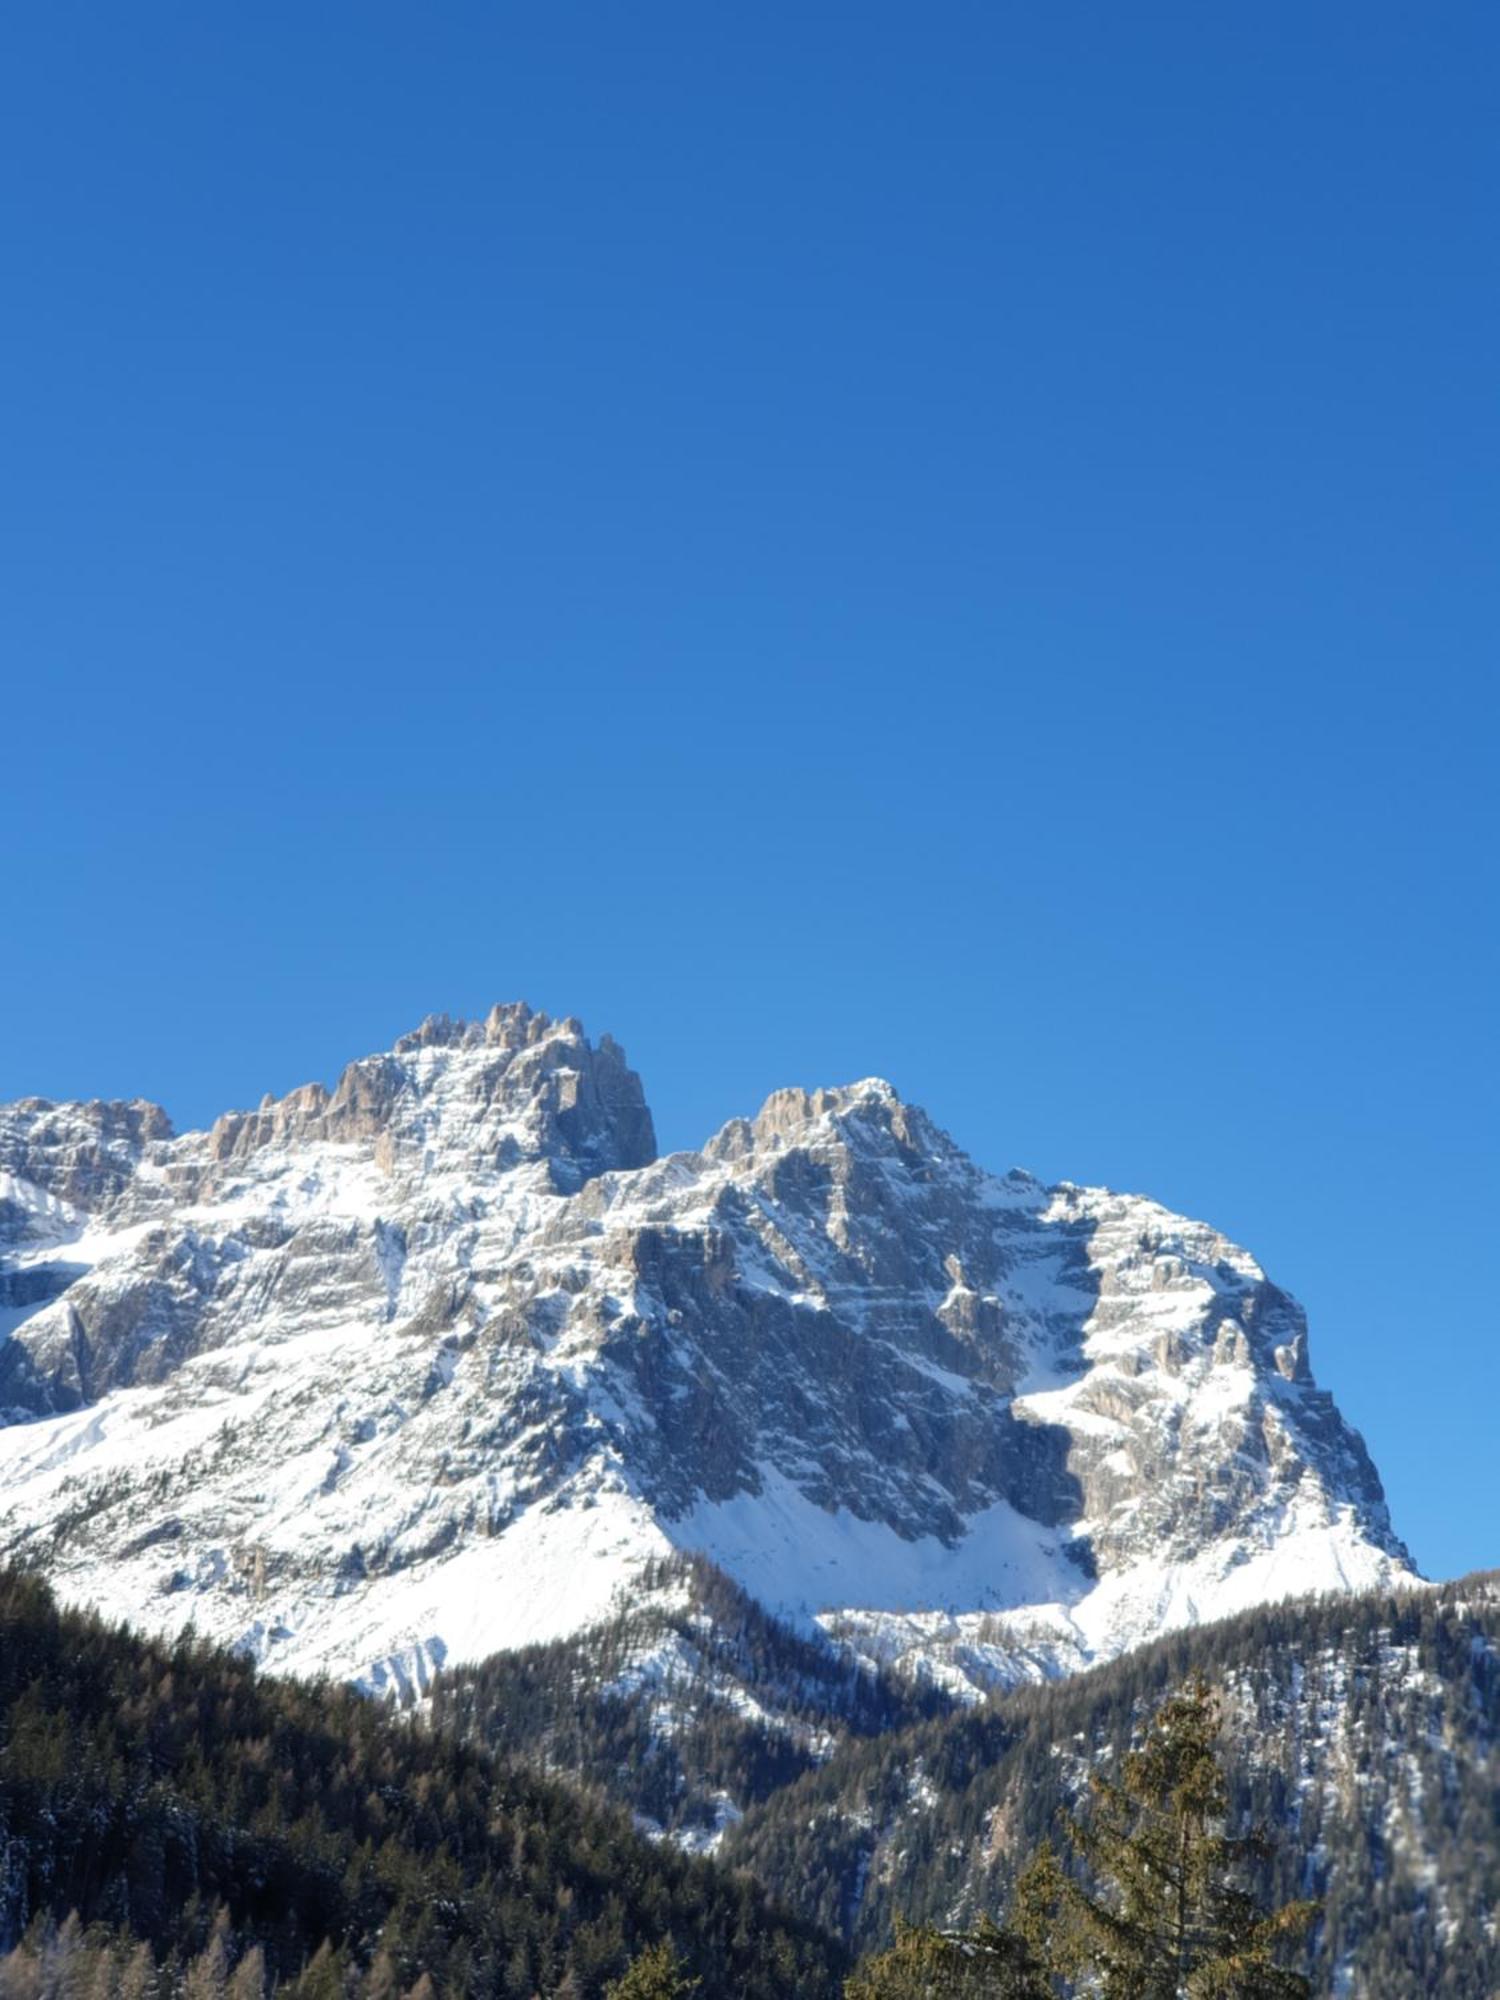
(20, 1975)
(322, 1977)
(137, 1975)
(656, 1974)
(1173, 1918)
(990, 1962)
(381, 1982)
(249, 1981)
(208, 1975)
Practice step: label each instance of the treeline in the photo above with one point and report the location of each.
(753, 1704)
(168, 1796)
(1369, 1739)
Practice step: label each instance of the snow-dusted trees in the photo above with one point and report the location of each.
(1157, 1902)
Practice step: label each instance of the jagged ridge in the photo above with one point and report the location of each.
(434, 1363)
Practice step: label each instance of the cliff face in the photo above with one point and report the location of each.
(431, 1364)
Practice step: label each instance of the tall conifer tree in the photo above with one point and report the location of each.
(1174, 1915)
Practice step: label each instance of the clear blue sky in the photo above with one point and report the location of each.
(958, 542)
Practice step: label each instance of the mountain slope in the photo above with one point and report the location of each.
(143, 1786)
(1364, 1731)
(691, 1704)
(435, 1364)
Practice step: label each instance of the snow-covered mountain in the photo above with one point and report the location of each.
(437, 1363)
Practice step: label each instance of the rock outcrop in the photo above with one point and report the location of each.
(433, 1363)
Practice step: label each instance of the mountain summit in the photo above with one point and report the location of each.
(438, 1362)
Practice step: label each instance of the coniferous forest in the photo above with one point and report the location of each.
(1367, 1733)
(172, 1799)
(174, 1824)
(1363, 1734)
(754, 1705)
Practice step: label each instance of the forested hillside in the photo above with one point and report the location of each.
(169, 1791)
(1363, 1732)
(692, 1703)
(256, 1835)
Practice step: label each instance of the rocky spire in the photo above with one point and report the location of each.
(513, 1089)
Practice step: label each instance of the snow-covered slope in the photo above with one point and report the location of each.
(432, 1365)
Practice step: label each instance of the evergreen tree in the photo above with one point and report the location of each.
(249, 1981)
(381, 1982)
(208, 1975)
(137, 1975)
(657, 1974)
(1173, 1917)
(322, 1977)
(990, 1962)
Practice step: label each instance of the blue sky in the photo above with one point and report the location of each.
(957, 543)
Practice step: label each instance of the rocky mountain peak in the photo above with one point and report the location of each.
(840, 1118)
(513, 1089)
(786, 1115)
(508, 1025)
(434, 1361)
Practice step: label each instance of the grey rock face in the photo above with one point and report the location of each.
(436, 1361)
(533, 1089)
(83, 1154)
